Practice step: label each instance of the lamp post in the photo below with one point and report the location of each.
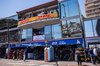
(8, 36)
(64, 9)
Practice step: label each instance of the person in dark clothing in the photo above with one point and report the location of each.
(14, 54)
(71, 54)
(86, 54)
(35, 54)
(91, 54)
(79, 57)
(17, 54)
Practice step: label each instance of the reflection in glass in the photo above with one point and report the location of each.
(64, 10)
(24, 36)
(65, 29)
(29, 34)
(71, 28)
(97, 27)
(74, 28)
(47, 30)
(69, 8)
(94, 26)
(73, 9)
(56, 31)
(88, 28)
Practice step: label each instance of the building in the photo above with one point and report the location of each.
(55, 22)
(5, 24)
(92, 8)
(92, 32)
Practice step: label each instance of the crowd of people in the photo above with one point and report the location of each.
(36, 54)
(43, 12)
(13, 37)
(69, 54)
(90, 55)
(93, 54)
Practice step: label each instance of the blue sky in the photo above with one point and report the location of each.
(9, 7)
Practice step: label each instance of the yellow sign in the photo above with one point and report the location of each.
(38, 18)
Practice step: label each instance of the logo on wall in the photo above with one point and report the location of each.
(78, 42)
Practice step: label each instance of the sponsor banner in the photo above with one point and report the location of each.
(18, 45)
(39, 37)
(29, 44)
(38, 18)
(66, 42)
(38, 43)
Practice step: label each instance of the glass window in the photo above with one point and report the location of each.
(74, 28)
(64, 29)
(96, 27)
(47, 32)
(88, 28)
(64, 10)
(73, 9)
(24, 34)
(71, 28)
(29, 34)
(56, 31)
(14, 17)
(72, 1)
(69, 8)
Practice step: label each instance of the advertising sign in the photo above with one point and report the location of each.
(66, 42)
(38, 18)
(39, 37)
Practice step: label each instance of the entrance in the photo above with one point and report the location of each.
(39, 51)
(62, 52)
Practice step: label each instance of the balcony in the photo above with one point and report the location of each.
(39, 21)
(91, 2)
(90, 5)
(92, 8)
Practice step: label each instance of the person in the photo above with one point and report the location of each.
(24, 55)
(34, 53)
(86, 54)
(48, 12)
(76, 54)
(52, 11)
(17, 54)
(71, 54)
(91, 54)
(95, 55)
(79, 57)
(0, 53)
(42, 13)
(14, 55)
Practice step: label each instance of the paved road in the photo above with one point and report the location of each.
(10, 62)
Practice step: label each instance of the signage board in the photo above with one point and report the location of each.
(39, 37)
(38, 18)
(66, 42)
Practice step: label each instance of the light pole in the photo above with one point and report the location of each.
(64, 9)
(8, 36)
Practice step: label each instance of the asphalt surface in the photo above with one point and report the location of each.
(10, 62)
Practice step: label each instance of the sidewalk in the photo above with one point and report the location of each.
(10, 62)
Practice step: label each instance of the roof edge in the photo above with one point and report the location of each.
(36, 6)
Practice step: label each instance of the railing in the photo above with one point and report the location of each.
(91, 1)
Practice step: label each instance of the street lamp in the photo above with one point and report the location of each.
(64, 9)
(8, 36)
